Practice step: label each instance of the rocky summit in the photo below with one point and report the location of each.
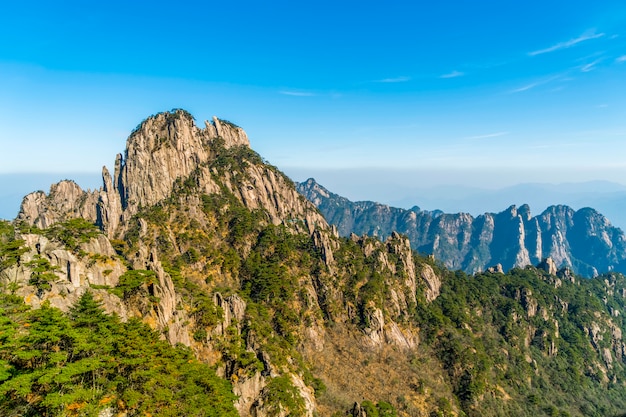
(583, 241)
(198, 281)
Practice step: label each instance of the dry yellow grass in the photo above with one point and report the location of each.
(352, 372)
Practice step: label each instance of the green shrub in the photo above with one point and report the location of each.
(131, 280)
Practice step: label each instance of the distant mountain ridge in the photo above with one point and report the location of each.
(582, 240)
(606, 197)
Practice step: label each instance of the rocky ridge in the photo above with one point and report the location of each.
(235, 264)
(582, 240)
(168, 154)
(164, 149)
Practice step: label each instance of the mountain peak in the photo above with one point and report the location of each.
(176, 126)
(166, 151)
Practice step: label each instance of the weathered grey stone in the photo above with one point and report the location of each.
(512, 238)
(548, 265)
(432, 281)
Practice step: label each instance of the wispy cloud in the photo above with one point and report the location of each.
(590, 66)
(452, 74)
(534, 84)
(526, 87)
(620, 59)
(490, 135)
(401, 79)
(568, 44)
(297, 93)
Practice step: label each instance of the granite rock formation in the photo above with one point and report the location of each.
(582, 240)
(200, 238)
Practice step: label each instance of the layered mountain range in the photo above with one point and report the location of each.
(198, 238)
(582, 240)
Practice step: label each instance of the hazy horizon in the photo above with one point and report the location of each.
(402, 189)
(375, 101)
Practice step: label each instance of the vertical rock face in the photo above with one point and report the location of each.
(433, 282)
(232, 135)
(109, 208)
(582, 240)
(401, 246)
(164, 150)
(65, 201)
(73, 273)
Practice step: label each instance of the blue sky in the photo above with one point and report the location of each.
(482, 93)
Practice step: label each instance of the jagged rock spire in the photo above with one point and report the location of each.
(163, 149)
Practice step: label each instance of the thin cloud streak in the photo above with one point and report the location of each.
(538, 83)
(452, 74)
(297, 93)
(567, 44)
(620, 59)
(590, 67)
(490, 135)
(394, 80)
(525, 88)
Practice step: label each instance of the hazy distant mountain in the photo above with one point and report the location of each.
(606, 197)
(582, 240)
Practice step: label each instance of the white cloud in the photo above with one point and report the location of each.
(563, 45)
(534, 84)
(452, 74)
(490, 135)
(297, 93)
(620, 59)
(525, 87)
(590, 67)
(401, 79)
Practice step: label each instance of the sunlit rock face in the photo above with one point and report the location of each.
(583, 241)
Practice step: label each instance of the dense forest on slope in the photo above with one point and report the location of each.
(84, 362)
(277, 313)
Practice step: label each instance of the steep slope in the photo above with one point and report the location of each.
(226, 258)
(582, 240)
(188, 224)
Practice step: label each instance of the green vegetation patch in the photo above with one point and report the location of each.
(80, 363)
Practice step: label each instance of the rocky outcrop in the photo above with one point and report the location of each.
(66, 200)
(583, 241)
(95, 268)
(432, 281)
(164, 150)
(549, 266)
(357, 411)
(262, 187)
(233, 135)
(383, 322)
(496, 269)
